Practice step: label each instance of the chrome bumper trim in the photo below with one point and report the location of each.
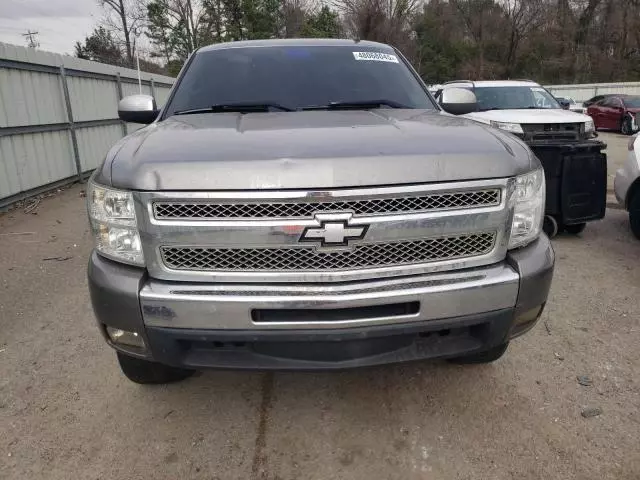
(229, 306)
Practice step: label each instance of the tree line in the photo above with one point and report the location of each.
(551, 41)
(173, 29)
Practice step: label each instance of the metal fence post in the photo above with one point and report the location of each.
(125, 132)
(72, 128)
(152, 86)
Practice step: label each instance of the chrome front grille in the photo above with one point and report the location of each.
(308, 259)
(292, 236)
(209, 210)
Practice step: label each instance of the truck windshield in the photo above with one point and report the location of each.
(298, 77)
(632, 102)
(511, 98)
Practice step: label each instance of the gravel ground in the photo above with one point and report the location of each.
(67, 412)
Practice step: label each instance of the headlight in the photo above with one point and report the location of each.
(528, 208)
(589, 128)
(508, 127)
(113, 223)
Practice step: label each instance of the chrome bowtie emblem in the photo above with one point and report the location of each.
(333, 233)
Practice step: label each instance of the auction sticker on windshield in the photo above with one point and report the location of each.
(375, 57)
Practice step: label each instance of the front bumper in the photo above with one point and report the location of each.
(621, 185)
(626, 176)
(324, 326)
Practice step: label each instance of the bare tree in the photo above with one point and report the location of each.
(294, 13)
(522, 17)
(214, 27)
(124, 18)
(479, 18)
(188, 18)
(386, 21)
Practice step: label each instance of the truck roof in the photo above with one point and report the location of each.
(295, 42)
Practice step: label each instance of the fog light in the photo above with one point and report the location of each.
(124, 337)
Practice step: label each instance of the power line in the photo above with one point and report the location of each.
(32, 41)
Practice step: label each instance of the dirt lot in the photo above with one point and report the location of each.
(67, 412)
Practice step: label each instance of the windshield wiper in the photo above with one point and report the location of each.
(241, 107)
(358, 105)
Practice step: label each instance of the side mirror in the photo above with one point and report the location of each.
(564, 103)
(458, 101)
(138, 109)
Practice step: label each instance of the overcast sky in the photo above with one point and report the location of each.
(60, 22)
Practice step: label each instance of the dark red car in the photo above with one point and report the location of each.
(616, 112)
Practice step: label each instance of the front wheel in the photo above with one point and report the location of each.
(146, 372)
(634, 213)
(575, 229)
(487, 356)
(626, 128)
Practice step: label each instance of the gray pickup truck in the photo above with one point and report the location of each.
(306, 204)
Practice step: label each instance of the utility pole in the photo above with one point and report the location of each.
(32, 41)
(139, 79)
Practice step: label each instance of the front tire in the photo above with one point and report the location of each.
(626, 126)
(575, 229)
(634, 213)
(145, 372)
(487, 356)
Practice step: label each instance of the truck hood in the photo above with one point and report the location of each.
(310, 150)
(538, 116)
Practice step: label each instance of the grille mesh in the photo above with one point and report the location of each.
(375, 206)
(552, 131)
(308, 259)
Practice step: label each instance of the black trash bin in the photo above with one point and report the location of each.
(576, 178)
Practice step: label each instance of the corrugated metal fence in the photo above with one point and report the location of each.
(59, 116)
(583, 92)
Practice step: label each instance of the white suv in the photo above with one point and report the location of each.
(627, 185)
(526, 109)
